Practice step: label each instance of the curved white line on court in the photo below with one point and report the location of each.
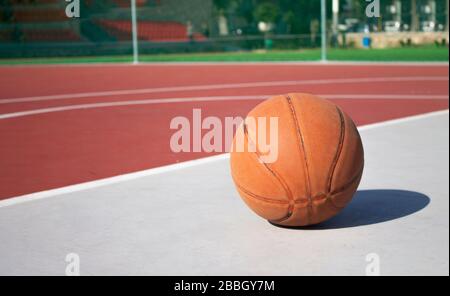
(221, 86)
(203, 99)
(175, 167)
(125, 103)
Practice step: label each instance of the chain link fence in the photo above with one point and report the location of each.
(55, 28)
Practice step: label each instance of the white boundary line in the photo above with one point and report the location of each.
(221, 86)
(175, 167)
(204, 99)
(109, 181)
(266, 63)
(403, 120)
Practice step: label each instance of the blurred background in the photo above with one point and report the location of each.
(223, 30)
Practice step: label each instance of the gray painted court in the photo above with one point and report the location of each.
(191, 221)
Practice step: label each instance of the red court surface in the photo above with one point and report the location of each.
(64, 125)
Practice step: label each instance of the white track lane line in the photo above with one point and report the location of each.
(221, 86)
(205, 99)
(175, 167)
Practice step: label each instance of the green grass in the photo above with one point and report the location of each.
(419, 54)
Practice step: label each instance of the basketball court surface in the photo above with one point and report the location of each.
(86, 168)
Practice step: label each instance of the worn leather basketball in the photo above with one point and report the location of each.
(319, 162)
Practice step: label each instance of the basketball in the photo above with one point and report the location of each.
(318, 163)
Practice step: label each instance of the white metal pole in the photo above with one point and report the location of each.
(447, 17)
(335, 16)
(135, 32)
(323, 7)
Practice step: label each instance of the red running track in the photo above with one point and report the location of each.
(55, 149)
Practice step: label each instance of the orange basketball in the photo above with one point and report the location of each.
(319, 163)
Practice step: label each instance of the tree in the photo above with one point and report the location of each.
(222, 4)
(267, 12)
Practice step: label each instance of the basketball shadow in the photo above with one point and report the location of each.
(374, 206)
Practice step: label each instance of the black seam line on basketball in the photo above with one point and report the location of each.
(280, 180)
(262, 198)
(281, 220)
(302, 144)
(274, 174)
(345, 187)
(338, 150)
(348, 184)
(315, 198)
